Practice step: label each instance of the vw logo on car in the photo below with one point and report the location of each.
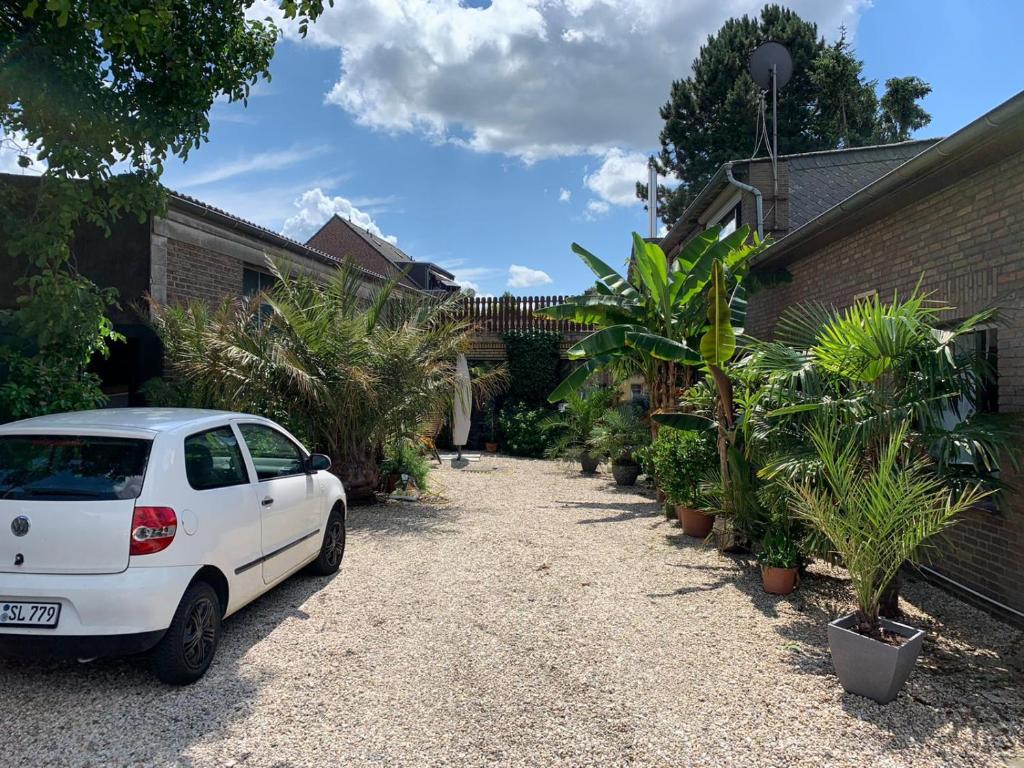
(20, 525)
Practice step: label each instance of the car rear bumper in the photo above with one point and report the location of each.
(76, 646)
(136, 601)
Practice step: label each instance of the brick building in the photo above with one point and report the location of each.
(193, 251)
(951, 214)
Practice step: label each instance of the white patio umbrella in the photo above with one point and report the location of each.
(462, 404)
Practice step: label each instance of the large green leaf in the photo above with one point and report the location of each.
(662, 348)
(600, 309)
(603, 341)
(575, 380)
(650, 262)
(616, 282)
(719, 342)
(684, 421)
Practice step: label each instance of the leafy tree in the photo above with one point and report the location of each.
(901, 114)
(712, 115)
(101, 93)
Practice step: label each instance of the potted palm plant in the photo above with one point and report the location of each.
(571, 426)
(491, 423)
(619, 434)
(681, 458)
(878, 509)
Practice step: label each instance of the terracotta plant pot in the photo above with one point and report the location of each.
(491, 447)
(694, 522)
(625, 474)
(869, 667)
(779, 581)
(391, 481)
(589, 463)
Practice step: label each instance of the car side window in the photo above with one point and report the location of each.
(213, 459)
(273, 454)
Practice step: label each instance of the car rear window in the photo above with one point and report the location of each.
(71, 467)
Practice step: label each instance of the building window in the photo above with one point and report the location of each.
(254, 281)
(730, 222)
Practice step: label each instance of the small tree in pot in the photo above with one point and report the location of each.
(619, 434)
(681, 458)
(878, 510)
(571, 427)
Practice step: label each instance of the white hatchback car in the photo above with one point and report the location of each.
(130, 530)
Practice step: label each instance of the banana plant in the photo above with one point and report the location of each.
(651, 321)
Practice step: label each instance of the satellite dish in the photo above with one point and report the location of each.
(764, 58)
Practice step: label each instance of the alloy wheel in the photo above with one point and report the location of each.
(200, 634)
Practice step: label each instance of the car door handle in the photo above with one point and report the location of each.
(267, 502)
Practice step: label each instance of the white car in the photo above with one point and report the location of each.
(130, 530)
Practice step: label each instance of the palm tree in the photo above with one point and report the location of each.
(571, 428)
(351, 373)
(879, 510)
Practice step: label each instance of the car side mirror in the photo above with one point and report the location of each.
(317, 461)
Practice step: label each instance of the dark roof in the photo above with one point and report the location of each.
(200, 209)
(817, 181)
(975, 147)
(343, 239)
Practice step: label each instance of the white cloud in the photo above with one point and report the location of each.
(529, 78)
(315, 208)
(524, 277)
(615, 180)
(260, 161)
(597, 207)
(471, 277)
(564, 195)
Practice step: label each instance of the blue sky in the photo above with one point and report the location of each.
(489, 139)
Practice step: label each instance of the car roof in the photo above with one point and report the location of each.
(132, 419)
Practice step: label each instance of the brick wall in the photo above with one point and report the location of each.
(194, 272)
(968, 242)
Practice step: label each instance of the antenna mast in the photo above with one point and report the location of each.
(771, 66)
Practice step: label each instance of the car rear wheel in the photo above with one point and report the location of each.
(333, 548)
(187, 649)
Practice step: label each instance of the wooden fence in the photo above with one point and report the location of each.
(500, 314)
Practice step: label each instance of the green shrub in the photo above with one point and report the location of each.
(532, 365)
(405, 458)
(681, 459)
(621, 435)
(779, 548)
(521, 429)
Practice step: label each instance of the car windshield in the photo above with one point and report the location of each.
(71, 467)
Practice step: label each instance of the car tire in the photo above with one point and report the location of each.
(332, 550)
(187, 648)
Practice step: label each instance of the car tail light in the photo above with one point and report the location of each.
(153, 529)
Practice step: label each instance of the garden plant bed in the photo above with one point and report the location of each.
(536, 618)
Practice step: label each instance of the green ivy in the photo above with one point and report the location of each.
(522, 431)
(532, 365)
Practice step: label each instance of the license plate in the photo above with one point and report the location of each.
(29, 614)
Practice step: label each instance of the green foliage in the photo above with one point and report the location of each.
(879, 510)
(404, 457)
(711, 116)
(355, 373)
(521, 430)
(532, 364)
(570, 428)
(681, 459)
(650, 323)
(901, 113)
(779, 548)
(47, 343)
(620, 433)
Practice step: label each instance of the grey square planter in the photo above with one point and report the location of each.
(869, 667)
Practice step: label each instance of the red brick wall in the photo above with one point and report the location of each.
(968, 242)
(198, 273)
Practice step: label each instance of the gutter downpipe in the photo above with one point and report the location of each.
(758, 203)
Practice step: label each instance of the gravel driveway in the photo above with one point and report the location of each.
(539, 618)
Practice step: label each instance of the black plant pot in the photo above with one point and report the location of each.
(589, 463)
(625, 474)
(869, 667)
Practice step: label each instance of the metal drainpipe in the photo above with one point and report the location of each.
(759, 205)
